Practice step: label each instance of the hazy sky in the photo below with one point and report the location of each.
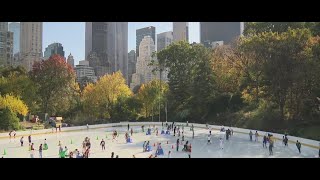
(72, 35)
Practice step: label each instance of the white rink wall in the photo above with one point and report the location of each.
(307, 144)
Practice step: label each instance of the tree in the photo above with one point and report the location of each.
(99, 98)
(8, 119)
(10, 106)
(260, 27)
(55, 80)
(19, 84)
(14, 104)
(286, 72)
(151, 95)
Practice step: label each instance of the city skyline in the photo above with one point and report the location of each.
(72, 35)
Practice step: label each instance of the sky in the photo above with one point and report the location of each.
(72, 35)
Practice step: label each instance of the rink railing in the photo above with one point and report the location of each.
(278, 137)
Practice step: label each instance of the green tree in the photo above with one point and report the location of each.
(8, 120)
(150, 95)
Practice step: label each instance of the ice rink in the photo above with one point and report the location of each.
(238, 146)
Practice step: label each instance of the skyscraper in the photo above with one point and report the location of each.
(141, 33)
(4, 26)
(30, 43)
(70, 60)
(164, 39)
(15, 28)
(131, 64)
(180, 31)
(219, 31)
(118, 47)
(106, 47)
(54, 48)
(6, 45)
(144, 72)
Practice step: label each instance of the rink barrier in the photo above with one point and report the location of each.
(292, 139)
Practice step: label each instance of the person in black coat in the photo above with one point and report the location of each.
(298, 144)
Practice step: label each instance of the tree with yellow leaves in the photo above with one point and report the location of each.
(10, 106)
(99, 98)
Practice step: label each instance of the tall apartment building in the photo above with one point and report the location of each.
(141, 33)
(6, 45)
(30, 43)
(180, 31)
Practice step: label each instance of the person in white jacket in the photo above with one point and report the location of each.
(209, 139)
(221, 143)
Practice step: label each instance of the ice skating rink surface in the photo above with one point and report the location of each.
(238, 146)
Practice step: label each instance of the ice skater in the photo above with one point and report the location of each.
(189, 150)
(256, 135)
(29, 139)
(221, 143)
(143, 146)
(157, 131)
(192, 134)
(21, 141)
(264, 142)
(270, 147)
(14, 134)
(209, 139)
(174, 131)
(131, 131)
(87, 126)
(45, 146)
(147, 146)
(298, 144)
(250, 134)
(32, 151)
(182, 137)
(112, 154)
(10, 134)
(178, 133)
(286, 140)
(178, 144)
(40, 151)
(128, 127)
(102, 144)
(169, 154)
